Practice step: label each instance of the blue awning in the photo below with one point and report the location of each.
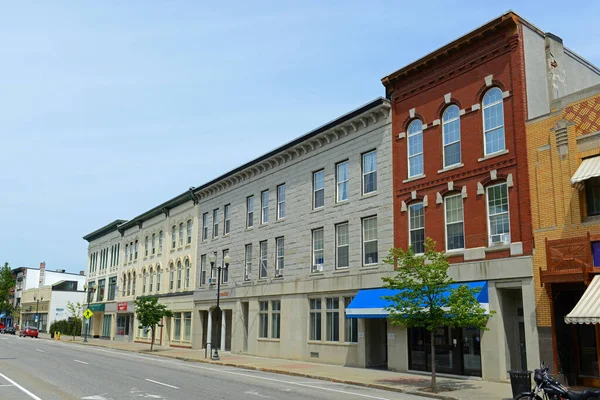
(368, 303)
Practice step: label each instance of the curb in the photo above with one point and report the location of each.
(277, 371)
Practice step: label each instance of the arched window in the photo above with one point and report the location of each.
(151, 284)
(123, 285)
(129, 284)
(493, 121)
(455, 232)
(133, 284)
(158, 278)
(179, 268)
(171, 276)
(415, 148)
(144, 281)
(187, 273)
(451, 136)
(416, 227)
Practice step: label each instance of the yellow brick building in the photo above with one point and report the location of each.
(566, 224)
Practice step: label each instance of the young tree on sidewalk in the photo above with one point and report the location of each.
(426, 298)
(149, 314)
(7, 283)
(75, 324)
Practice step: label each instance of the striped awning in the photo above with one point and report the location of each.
(589, 168)
(587, 310)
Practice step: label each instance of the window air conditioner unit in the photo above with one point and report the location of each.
(318, 268)
(501, 239)
(247, 277)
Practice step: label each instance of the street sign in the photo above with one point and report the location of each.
(88, 314)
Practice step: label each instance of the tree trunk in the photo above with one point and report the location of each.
(152, 343)
(433, 386)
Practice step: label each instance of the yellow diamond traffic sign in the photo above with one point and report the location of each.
(88, 314)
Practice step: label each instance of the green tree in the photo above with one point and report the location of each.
(426, 298)
(7, 283)
(75, 311)
(149, 314)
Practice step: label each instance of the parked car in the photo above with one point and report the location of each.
(29, 331)
(9, 330)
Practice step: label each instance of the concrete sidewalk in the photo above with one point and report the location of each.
(464, 389)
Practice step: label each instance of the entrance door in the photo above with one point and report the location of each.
(123, 330)
(245, 317)
(376, 343)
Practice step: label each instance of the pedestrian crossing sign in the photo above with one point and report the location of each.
(88, 314)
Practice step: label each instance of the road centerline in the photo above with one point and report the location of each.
(81, 362)
(160, 383)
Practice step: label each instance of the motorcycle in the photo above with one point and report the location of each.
(547, 388)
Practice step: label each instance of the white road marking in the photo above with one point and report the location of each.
(160, 383)
(4, 338)
(255, 393)
(21, 388)
(41, 351)
(97, 397)
(81, 362)
(5, 385)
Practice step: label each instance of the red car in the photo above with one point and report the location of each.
(29, 331)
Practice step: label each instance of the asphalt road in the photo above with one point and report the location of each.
(47, 370)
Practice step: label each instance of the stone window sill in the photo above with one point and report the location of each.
(368, 195)
(341, 271)
(414, 178)
(493, 155)
(593, 220)
(450, 168)
(492, 249)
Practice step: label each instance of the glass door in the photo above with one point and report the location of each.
(106, 325)
(471, 351)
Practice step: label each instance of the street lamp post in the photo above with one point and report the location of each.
(37, 306)
(87, 321)
(227, 260)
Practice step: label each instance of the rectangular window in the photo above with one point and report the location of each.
(592, 196)
(227, 223)
(173, 236)
(151, 282)
(264, 205)
(153, 243)
(224, 271)
(202, 272)
(112, 288)
(280, 256)
(181, 234)
(158, 278)
(187, 326)
(130, 252)
(179, 269)
(351, 324)
(416, 227)
(315, 319)
(263, 260)
(455, 235)
(248, 263)
(415, 149)
(249, 211)
(498, 216)
(333, 319)
(177, 327)
(370, 241)
(275, 319)
(144, 281)
(317, 250)
(101, 284)
(263, 319)
(189, 231)
(160, 242)
(369, 169)
(171, 277)
(137, 248)
(146, 246)
(215, 223)
(204, 226)
(341, 177)
(318, 189)
(342, 248)
(281, 201)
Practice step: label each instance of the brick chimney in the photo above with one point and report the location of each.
(42, 274)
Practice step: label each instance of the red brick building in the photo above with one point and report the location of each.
(461, 178)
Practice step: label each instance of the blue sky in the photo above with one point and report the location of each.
(108, 109)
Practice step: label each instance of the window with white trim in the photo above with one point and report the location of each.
(153, 243)
(369, 237)
(275, 319)
(248, 263)
(342, 181)
(137, 246)
(263, 268)
(281, 201)
(188, 271)
(160, 242)
(151, 283)
(415, 148)
(416, 227)
(144, 281)
(351, 324)
(215, 223)
(225, 271)
(315, 319)
(171, 277)
(280, 256)
(158, 278)
(455, 233)
(493, 121)
(332, 318)
(146, 246)
(249, 211)
(189, 231)
(369, 172)
(451, 135)
(181, 234)
(173, 236)
(202, 271)
(318, 189)
(204, 226)
(227, 217)
(263, 319)
(342, 246)
(179, 273)
(317, 250)
(264, 207)
(498, 214)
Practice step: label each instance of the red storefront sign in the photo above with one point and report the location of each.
(122, 306)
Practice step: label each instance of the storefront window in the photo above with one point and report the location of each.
(177, 327)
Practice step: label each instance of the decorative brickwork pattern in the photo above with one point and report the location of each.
(586, 116)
